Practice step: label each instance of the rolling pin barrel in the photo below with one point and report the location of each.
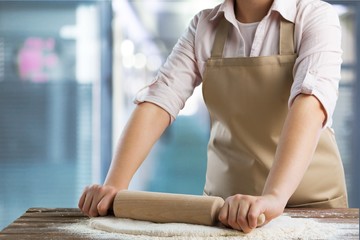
(166, 208)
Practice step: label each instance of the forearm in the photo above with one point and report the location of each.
(297, 144)
(143, 129)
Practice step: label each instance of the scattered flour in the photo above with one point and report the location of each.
(283, 227)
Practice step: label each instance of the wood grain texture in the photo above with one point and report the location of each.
(44, 223)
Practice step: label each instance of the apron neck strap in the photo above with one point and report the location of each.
(286, 41)
(220, 38)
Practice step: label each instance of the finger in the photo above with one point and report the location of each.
(93, 212)
(252, 217)
(82, 199)
(86, 199)
(256, 217)
(232, 215)
(87, 203)
(242, 217)
(92, 200)
(223, 214)
(105, 203)
(98, 196)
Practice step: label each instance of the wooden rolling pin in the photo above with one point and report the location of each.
(167, 207)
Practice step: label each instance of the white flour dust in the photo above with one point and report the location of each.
(283, 227)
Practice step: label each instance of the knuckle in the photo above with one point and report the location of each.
(238, 197)
(94, 186)
(242, 221)
(102, 210)
(252, 216)
(93, 213)
(247, 198)
(100, 190)
(222, 217)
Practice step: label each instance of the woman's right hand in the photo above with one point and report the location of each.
(96, 200)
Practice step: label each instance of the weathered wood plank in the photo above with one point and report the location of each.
(45, 223)
(346, 213)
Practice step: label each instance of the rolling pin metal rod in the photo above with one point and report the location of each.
(167, 207)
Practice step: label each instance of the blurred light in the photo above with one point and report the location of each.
(87, 44)
(154, 63)
(139, 61)
(128, 61)
(129, 20)
(68, 32)
(187, 7)
(127, 48)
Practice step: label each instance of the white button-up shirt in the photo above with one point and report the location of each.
(317, 43)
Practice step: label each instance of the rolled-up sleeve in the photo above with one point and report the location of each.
(177, 78)
(318, 66)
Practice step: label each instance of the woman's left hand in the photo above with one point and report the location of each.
(242, 211)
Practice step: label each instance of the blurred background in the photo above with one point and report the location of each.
(69, 71)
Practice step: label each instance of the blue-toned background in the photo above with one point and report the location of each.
(68, 73)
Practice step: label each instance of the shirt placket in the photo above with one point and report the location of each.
(241, 47)
(258, 39)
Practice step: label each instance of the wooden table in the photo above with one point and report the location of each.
(44, 223)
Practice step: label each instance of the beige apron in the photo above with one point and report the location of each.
(247, 101)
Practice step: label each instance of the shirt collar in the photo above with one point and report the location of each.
(225, 9)
(286, 8)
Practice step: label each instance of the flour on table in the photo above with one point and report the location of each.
(134, 227)
(283, 227)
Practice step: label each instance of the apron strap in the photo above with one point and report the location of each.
(286, 41)
(220, 38)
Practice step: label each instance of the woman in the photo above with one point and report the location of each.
(270, 71)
